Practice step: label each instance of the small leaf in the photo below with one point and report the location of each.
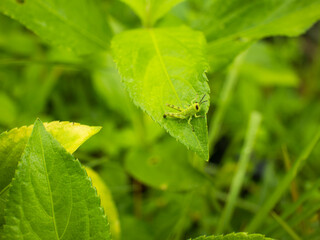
(51, 195)
(79, 25)
(166, 66)
(106, 202)
(235, 236)
(150, 11)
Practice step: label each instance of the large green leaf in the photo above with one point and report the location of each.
(166, 170)
(12, 144)
(79, 25)
(51, 195)
(166, 66)
(235, 236)
(150, 11)
(231, 26)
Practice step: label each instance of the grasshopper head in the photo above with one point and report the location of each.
(198, 104)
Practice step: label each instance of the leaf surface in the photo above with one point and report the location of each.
(150, 11)
(12, 143)
(79, 25)
(235, 236)
(51, 195)
(166, 66)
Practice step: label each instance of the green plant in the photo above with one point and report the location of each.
(162, 53)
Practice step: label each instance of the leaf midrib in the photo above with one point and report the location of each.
(158, 53)
(81, 31)
(49, 187)
(163, 66)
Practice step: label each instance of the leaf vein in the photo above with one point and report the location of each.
(158, 53)
(49, 187)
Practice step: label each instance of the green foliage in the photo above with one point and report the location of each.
(107, 83)
(166, 66)
(62, 24)
(263, 65)
(230, 28)
(51, 196)
(283, 185)
(9, 114)
(56, 63)
(254, 123)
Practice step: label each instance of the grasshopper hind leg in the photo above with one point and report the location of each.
(175, 107)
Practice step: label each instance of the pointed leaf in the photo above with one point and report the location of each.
(51, 195)
(79, 25)
(150, 11)
(166, 66)
(12, 144)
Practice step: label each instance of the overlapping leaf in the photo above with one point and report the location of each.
(12, 144)
(51, 195)
(166, 66)
(79, 25)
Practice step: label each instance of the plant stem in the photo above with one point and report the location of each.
(254, 123)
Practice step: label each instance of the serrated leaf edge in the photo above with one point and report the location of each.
(205, 69)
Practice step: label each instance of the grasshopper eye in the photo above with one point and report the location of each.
(197, 106)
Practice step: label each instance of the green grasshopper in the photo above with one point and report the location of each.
(186, 113)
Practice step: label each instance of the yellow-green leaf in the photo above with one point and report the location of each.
(106, 202)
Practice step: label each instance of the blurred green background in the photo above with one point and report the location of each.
(161, 190)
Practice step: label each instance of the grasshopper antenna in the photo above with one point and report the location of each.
(202, 99)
